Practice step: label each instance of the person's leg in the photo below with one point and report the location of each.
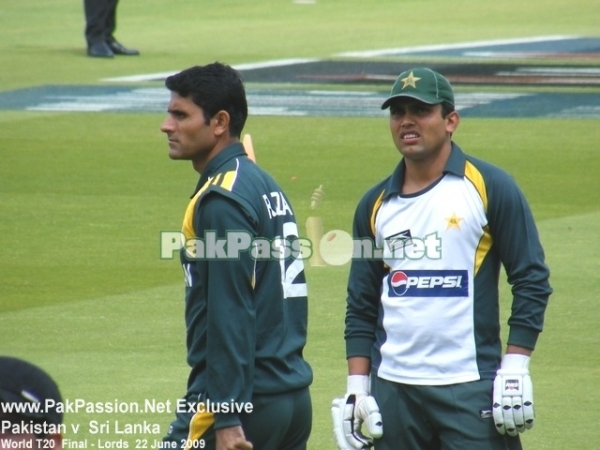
(403, 413)
(279, 421)
(111, 25)
(301, 423)
(462, 414)
(111, 19)
(96, 19)
(96, 31)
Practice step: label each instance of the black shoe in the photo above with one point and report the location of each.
(119, 49)
(100, 50)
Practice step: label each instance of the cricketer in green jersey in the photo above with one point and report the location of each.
(246, 296)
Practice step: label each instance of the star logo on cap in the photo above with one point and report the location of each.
(410, 80)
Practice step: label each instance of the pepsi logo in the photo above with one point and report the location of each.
(399, 282)
(428, 283)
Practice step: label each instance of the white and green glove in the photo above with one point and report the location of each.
(350, 412)
(513, 395)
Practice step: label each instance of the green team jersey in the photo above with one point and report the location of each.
(246, 298)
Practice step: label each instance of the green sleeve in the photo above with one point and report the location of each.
(516, 240)
(231, 312)
(364, 287)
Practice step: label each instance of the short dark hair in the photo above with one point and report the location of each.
(447, 108)
(214, 87)
(24, 384)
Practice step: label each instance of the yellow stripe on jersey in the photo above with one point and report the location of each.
(188, 217)
(229, 179)
(201, 421)
(485, 243)
(475, 177)
(376, 207)
(224, 180)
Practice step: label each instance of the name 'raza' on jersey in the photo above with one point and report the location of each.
(234, 307)
(276, 204)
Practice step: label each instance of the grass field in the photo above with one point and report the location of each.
(83, 197)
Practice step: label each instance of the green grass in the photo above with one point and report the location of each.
(42, 40)
(83, 197)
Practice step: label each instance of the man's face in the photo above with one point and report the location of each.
(190, 137)
(418, 129)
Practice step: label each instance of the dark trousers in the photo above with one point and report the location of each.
(100, 20)
(452, 417)
(277, 422)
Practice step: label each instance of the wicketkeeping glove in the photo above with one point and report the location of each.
(513, 395)
(349, 413)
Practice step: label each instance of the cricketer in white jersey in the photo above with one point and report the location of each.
(436, 290)
(424, 318)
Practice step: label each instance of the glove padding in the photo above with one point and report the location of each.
(513, 396)
(349, 413)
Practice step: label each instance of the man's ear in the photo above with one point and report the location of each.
(452, 121)
(220, 123)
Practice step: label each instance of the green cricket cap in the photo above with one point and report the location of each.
(422, 84)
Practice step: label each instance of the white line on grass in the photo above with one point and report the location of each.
(426, 48)
(355, 54)
(248, 66)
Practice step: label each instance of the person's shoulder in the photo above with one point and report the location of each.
(490, 172)
(236, 174)
(496, 185)
(256, 190)
(376, 191)
(230, 181)
(372, 198)
(252, 180)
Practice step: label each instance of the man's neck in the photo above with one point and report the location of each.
(420, 174)
(200, 163)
